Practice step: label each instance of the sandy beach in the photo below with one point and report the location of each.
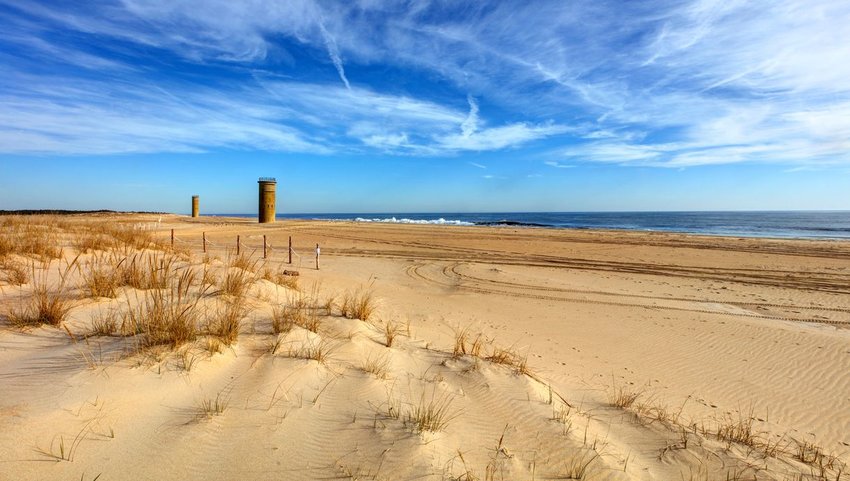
(489, 353)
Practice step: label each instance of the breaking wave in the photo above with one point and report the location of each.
(403, 220)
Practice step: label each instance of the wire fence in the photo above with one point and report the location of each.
(254, 245)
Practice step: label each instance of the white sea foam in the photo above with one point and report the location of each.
(393, 220)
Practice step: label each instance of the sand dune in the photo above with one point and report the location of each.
(588, 355)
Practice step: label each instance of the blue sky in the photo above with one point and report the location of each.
(374, 106)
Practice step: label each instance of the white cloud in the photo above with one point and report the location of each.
(650, 83)
(470, 124)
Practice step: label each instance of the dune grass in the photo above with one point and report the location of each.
(315, 351)
(14, 272)
(167, 316)
(227, 321)
(377, 364)
(465, 343)
(100, 276)
(360, 304)
(431, 415)
(49, 303)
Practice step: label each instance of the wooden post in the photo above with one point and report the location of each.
(172, 238)
(237, 245)
(290, 249)
(264, 246)
(318, 251)
(205, 241)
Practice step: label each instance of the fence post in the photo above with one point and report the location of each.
(318, 251)
(172, 238)
(264, 246)
(237, 245)
(290, 249)
(205, 241)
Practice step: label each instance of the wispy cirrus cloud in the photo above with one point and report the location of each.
(637, 83)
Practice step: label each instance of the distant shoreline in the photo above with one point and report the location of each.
(72, 212)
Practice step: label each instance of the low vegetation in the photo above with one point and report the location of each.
(49, 303)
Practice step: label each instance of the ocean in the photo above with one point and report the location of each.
(780, 224)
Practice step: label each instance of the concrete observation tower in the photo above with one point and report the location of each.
(268, 186)
(196, 209)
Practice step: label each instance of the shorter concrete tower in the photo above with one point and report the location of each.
(268, 186)
(196, 206)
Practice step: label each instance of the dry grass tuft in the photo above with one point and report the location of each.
(227, 321)
(244, 262)
(466, 344)
(359, 305)
(236, 282)
(47, 304)
(282, 319)
(738, 430)
(509, 357)
(32, 236)
(14, 272)
(164, 316)
(432, 415)
(213, 346)
(100, 276)
(281, 279)
(104, 324)
(391, 330)
(213, 407)
(299, 310)
(377, 365)
(312, 351)
(624, 397)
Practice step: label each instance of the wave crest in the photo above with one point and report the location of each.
(403, 220)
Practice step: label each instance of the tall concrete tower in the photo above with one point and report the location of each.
(196, 209)
(267, 199)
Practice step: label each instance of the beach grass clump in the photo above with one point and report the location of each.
(283, 318)
(315, 351)
(391, 331)
(465, 343)
(164, 316)
(227, 321)
(129, 237)
(431, 415)
(214, 407)
(281, 278)
(738, 430)
(7, 245)
(358, 305)
(14, 272)
(49, 303)
(146, 270)
(105, 324)
(100, 276)
(624, 397)
(299, 310)
(244, 262)
(377, 364)
(89, 241)
(34, 236)
(236, 282)
(509, 357)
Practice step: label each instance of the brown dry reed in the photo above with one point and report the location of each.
(14, 272)
(319, 352)
(49, 303)
(465, 344)
(358, 305)
(167, 316)
(225, 325)
(431, 415)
